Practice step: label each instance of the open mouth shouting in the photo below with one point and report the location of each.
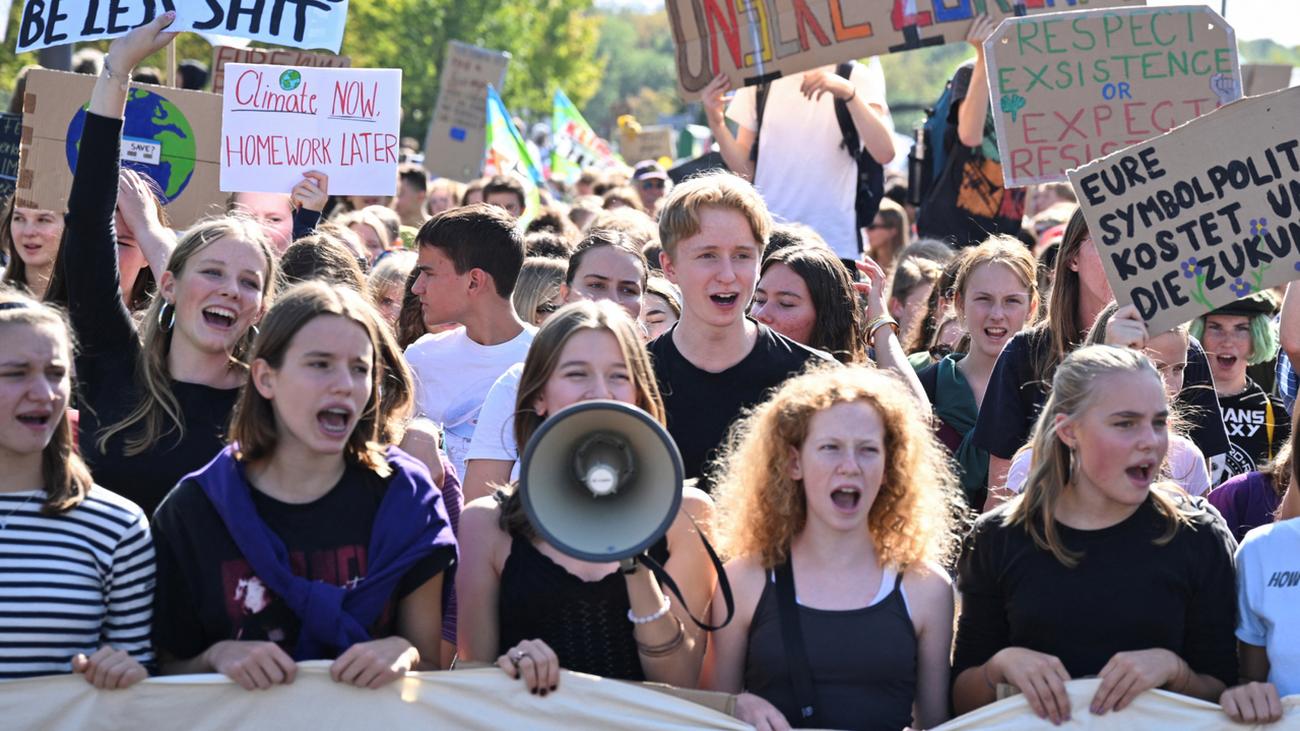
(1226, 360)
(37, 421)
(725, 300)
(221, 318)
(846, 499)
(335, 421)
(1142, 473)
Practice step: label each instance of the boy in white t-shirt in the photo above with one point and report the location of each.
(468, 262)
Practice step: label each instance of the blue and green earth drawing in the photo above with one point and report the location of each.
(150, 118)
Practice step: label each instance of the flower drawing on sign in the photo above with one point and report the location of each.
(1240, 287)
(1258, 226)
(1191, 267)
(1012, 104)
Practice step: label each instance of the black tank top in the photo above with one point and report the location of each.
(863, 662)
(585, 622)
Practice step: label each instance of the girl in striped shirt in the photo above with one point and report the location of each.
(76, 560)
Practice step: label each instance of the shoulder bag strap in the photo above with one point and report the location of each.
(796, 652)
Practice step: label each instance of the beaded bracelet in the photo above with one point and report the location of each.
(650, 618)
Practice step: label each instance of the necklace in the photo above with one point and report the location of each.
(4, 522)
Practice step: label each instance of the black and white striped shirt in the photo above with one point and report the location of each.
(72, 583)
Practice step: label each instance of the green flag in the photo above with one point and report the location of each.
(576, 145)
(508, 154)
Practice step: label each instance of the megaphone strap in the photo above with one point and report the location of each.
(667, 580)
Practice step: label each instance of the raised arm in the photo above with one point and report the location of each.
(735, 149)
(973, 109)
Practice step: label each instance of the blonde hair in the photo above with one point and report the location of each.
(539, 282)
(1007, 251)
(1073, 387)
(679, 215)
(159, 413)
(64, 476)
(391, 271)
(917, 513)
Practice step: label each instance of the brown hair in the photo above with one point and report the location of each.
(1062, 324)
(478, 236)
(158, 412)
(600, 238)
(64, 476)
(544, 358)
(998, 249)
(917, 513)
(679, 215)
(839, 327)
(322, 257)
(253, 423)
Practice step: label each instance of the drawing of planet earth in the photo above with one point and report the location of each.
(157, 125)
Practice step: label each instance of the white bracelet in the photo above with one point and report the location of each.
(663, 610)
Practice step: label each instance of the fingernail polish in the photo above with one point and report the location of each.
(543, 692)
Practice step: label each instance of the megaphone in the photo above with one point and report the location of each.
(601, 481)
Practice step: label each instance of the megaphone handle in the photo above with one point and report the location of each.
(664, 578)
(627, 565)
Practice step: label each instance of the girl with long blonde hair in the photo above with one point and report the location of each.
(156, 397)
(1097, 568)
(836, 491)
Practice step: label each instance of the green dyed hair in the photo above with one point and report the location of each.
(1263, 336)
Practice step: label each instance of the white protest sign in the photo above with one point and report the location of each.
(279, 122)
(5, 7)
(294, 23)
(1204, 215)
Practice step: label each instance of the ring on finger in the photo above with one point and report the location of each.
(517, 657)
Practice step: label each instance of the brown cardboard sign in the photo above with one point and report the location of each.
(222, 55)
(752, 41)
(457, 135)
(1203, 215)
(645, 143)
(1261, 78)
(1068, 88)
(171, 136)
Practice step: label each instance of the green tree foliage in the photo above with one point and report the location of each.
(552, 44)
(639, 68)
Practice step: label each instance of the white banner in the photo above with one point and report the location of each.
(295, 23)
(460, 699)
(278, 122)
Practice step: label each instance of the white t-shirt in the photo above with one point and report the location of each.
(494, 438)
(1186, 467)
(452, 377)
(1268, 599)
(804, 173)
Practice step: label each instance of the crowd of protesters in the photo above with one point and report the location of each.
(934, 452)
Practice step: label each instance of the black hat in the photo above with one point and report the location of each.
(1259, 303)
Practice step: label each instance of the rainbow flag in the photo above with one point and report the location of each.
(576, 145)
(508, 154)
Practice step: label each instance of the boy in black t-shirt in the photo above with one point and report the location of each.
(715, 362)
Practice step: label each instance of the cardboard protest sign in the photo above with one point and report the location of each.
(294, 23)
(278, 122)
(169, 135)
(752, 41)
(1068, 88)
(222, 55)
(576, 145)
(11, 133)
(645, 143)
(1261, 78)
(455, 142)
(1203, 215)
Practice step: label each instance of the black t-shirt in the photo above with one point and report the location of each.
(1258, 426)
(968, 201)
(109, 345)
(1015, 395)
(1126, 593)
(207, 592)
(702, 405)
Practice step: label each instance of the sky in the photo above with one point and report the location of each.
(1277, 20)
(1251, 19)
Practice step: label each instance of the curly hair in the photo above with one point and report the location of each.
(918, 514)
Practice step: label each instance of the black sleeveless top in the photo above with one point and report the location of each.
(863, 662)
(585, 622)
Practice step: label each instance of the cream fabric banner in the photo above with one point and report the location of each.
(1152, 711)
(463, 699)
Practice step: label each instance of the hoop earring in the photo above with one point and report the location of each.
(253, 332)
(167, 317)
